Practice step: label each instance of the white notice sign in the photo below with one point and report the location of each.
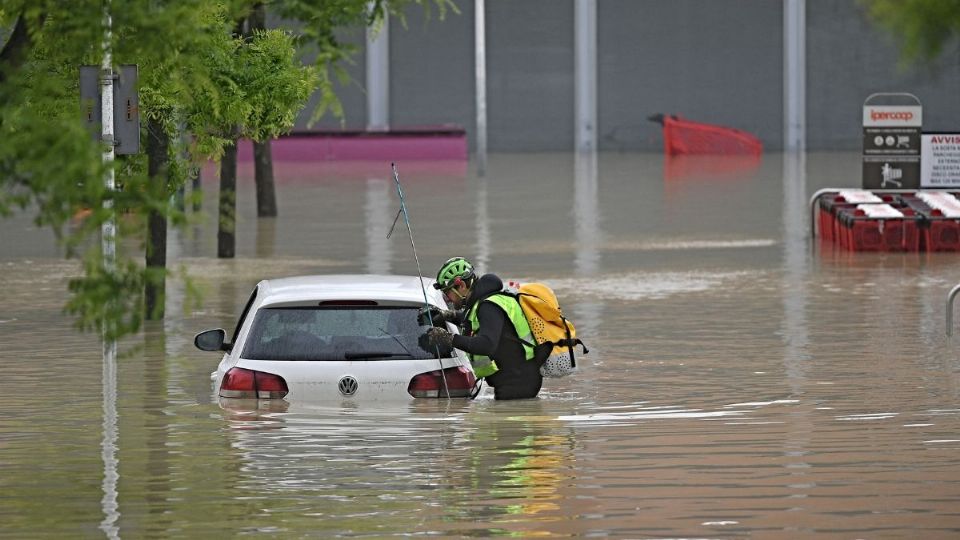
(940, 160)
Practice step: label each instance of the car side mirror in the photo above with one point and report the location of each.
(212, 340)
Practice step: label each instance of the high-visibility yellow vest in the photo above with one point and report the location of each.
(484, 366)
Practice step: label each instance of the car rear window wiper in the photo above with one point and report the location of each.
(374, 354)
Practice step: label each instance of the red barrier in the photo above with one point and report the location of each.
(684, 137)
(860, 232)
(938, 232)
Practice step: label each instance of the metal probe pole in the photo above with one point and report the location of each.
(426, 301)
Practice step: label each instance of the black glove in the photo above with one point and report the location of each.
(439, 316)
(436, 338)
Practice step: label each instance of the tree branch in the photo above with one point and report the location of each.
(15, 50)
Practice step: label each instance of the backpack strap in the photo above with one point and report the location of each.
(568, 342)
(571, 342)
(524, 342)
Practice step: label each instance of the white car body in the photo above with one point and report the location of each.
(373, 378)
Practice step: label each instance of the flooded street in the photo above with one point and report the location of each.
(742, 380)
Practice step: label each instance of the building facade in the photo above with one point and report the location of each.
(714, 61)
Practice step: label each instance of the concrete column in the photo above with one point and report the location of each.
(585, 69)
(794, 75)
(480, 69)
(378, 76)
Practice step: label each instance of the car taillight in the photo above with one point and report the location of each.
(246, 383)
(460, 382)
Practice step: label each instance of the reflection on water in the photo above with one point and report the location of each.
(109, 444)
(377, 210)
(741, 381)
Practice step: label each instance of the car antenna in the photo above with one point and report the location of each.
(426, 302)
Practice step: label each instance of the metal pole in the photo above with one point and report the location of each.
(794, 75)
(378, 76)
(108, 229)
(950, 297)
(108, 233)
(480, 51)
(585, 67)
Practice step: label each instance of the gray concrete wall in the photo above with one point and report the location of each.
(706, 60)
(716, 61)
(431, 69)
(848, 59)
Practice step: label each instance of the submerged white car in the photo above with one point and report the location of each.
(336, 337)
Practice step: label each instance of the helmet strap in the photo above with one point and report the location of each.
(457, 282)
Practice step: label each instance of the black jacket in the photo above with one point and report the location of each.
(518, 378)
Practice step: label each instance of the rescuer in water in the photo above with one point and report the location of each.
(493, 330)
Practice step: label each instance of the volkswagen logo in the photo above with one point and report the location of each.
(348, 385)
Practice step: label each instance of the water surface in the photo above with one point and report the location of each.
(742, 380)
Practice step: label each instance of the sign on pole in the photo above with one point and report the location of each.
(891, 141)
(940, 160)
(126, 106)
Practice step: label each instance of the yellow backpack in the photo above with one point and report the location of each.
(555, 335)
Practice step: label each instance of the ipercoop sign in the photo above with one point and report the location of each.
(893, 115)
(891, 146)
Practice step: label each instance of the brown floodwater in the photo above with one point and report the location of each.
(742, 380)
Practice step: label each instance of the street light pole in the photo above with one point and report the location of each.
(108, 229)
(108, 235)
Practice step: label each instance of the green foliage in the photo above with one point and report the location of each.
(197, 81)
(40, 118)
(193, 74)
(923, 27)
(277, 88)
(258, 89)
(98, 302)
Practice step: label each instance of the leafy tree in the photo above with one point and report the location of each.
(200, 88)
(924, 27)
(262, 152)
(266, 87)
(193, 74)
(171, 73)
(319, 20)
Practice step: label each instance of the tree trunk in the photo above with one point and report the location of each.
(262, 158)
(196, 193)
(263, 173)
(227, 222)
(226, 235)
(156, 252)
(15, 51)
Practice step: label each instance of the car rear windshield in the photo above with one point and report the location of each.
(335, 333)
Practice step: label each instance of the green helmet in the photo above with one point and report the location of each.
(456, 267)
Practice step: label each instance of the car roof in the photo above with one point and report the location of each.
(387, 288)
